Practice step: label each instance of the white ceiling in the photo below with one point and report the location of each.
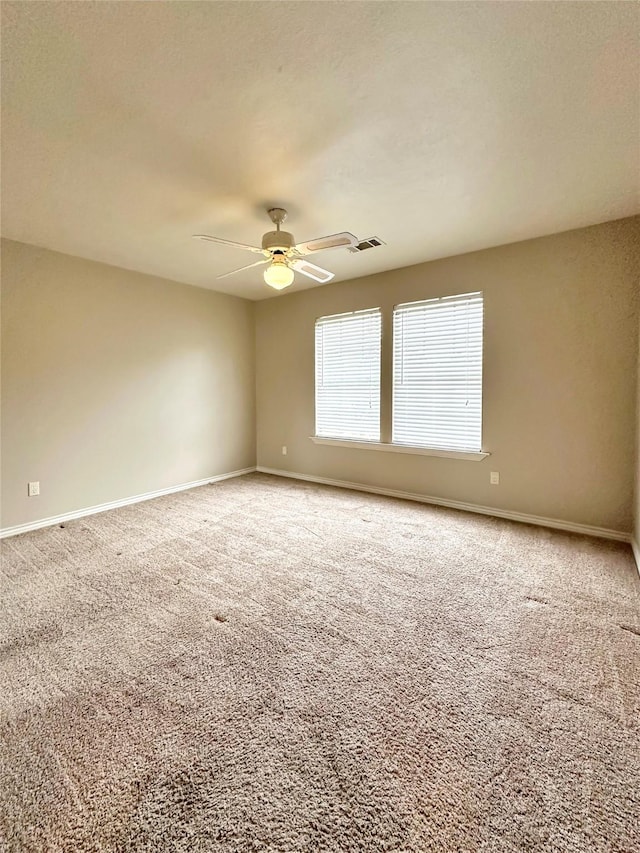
(439, 127)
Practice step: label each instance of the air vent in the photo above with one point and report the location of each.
(371, 243)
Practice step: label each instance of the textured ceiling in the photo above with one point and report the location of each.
(439, 127)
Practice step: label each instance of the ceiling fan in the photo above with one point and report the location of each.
(283, 254)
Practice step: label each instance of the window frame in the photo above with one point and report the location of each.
(387, 391)
(377, 312)
(438, 301)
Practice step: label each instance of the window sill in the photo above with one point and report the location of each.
(401, 448)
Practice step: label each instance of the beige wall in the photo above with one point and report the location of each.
(636, 501)
(115, 383)
(559, 383)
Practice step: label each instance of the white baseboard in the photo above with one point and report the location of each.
(92, 510)
(558, 524)
(636, 552)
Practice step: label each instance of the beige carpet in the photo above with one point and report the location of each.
(268, 665)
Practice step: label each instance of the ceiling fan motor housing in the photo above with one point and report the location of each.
(278, 241)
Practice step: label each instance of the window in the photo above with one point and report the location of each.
(348, 376)
(437, 373)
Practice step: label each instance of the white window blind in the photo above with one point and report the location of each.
(437, 373)
(348, 375)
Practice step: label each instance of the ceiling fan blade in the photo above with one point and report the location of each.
(312, 271)
(333, 241)
(248, 267)
(227, 243)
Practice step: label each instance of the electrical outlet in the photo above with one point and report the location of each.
(494, 478)
(284, 449)
(33, 489)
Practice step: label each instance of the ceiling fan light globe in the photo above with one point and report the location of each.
(278, 276)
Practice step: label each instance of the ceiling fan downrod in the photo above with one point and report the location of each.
(277, 215)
